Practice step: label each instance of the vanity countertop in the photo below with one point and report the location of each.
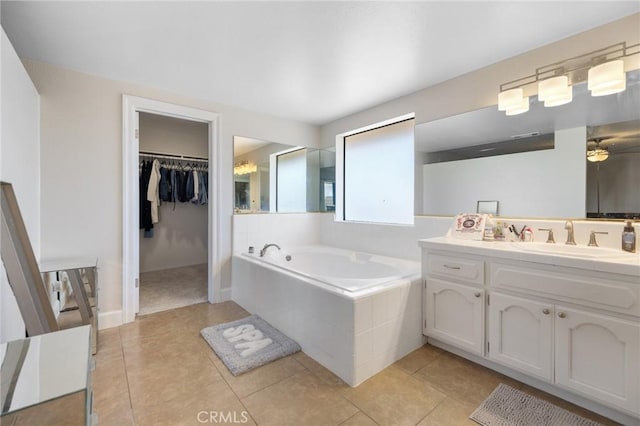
(624, 263)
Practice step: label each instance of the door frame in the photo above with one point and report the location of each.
(131, 106)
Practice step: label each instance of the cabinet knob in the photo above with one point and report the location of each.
(478, 294)
(562, 315)
(545, 311)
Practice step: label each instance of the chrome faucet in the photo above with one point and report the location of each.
(568, 225)
(266, 246)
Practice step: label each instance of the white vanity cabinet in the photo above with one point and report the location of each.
(521, 334)
(454, 301)
(599, 356)
(571, 326)
(454, 314)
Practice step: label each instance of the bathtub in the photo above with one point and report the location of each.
(355, 313)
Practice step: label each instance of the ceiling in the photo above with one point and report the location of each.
(311, 62)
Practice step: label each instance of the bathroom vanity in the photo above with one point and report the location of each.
(563, 319)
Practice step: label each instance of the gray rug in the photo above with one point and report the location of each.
(248, 343)
(507, 406)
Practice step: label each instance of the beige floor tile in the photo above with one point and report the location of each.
(109, 380)
(159, 370)
(326, 376)
(163, 350)
(197, 317)
(393, 397)
(162, 323)
(114, 410)
(150, 387)
(419, 358)
(299, 400)
(461, 379)
(359, 419)
(450, 413)
(212, 404)
(252, 381)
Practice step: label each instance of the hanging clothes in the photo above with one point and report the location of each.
(203, 197)
(145, 206)
(181, 178)
(165, 184)
(189, 186)
(196, 187)
(153, 194)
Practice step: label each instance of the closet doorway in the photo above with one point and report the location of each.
(174, 169)
(173, 262)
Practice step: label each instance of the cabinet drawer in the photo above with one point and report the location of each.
(608, 294)
(462, 268)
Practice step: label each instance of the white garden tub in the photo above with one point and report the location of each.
(355, 313)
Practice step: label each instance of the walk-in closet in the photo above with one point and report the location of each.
(173, 212)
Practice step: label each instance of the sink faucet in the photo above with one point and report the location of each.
(592, 238)
(266, 246)
(568, 225)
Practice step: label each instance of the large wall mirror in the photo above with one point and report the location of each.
(271, 177)
(535, 164)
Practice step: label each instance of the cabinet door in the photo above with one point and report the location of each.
(521, 334)
(598, 356)
(454, 314)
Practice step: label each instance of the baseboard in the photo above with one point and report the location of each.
(109, 319)
(225, 294)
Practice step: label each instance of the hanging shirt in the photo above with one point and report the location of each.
(189, 187)
(203, 197)
(196, 187)
(153, 195)
(181, 178)
(165, 184)
(145, 205)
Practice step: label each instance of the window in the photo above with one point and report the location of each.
(291, 185)
(377, 173)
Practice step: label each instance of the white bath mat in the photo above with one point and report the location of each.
(507, 406)
(248, 343)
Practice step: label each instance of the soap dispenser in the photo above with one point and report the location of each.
(629, 238)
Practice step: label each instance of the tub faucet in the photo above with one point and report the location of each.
(266, 246)
(568, 225)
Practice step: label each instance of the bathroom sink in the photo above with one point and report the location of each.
(572, 251)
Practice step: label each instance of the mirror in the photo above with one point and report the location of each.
(535, 164)
(270, 177)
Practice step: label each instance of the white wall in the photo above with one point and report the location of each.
(20, 166)
(284, 229)
(525, 184)
(82, 167)
(180, 237)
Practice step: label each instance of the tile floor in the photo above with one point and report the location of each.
(172, 288)
(159, 371)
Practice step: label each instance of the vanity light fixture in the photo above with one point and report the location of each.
(607, 78)
(244, 167)
(555, 91)
(602, 68)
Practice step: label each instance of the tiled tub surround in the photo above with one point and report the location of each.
(355, 334)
